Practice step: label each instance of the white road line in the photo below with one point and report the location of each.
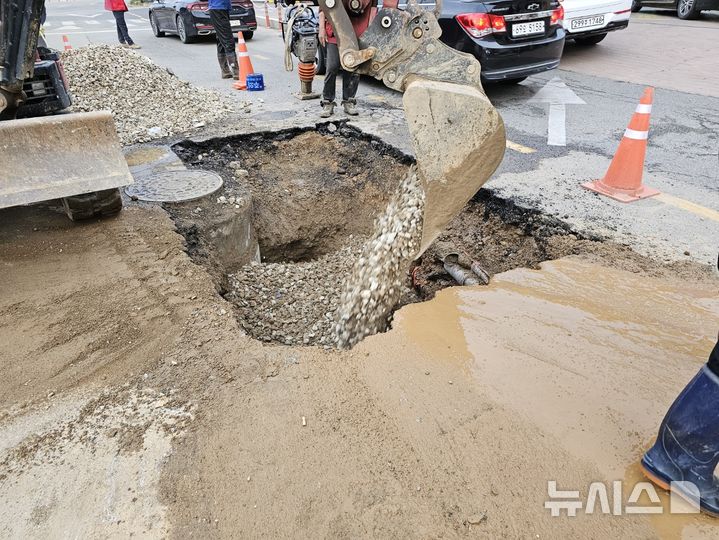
(93, 22)
(113, 31)
(557, 130)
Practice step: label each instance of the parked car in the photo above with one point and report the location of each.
(686, 9)
(189, 19)
(588, 21)
(512, 39)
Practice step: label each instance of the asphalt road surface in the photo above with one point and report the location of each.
(657, 49)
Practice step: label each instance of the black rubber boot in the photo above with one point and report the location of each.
(687, 447)
(232, 63)
(224, 66)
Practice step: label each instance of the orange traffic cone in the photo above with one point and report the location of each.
(267, 15)
(244, 63)
(623, 181)
(66, 43)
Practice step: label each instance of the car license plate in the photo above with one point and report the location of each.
(528, 28)
(235, 23)
(586, 22)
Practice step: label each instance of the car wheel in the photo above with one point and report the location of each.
(321, 67)
(182, 31)
(248, 35)
(591, 40)
(687, 9)
(636, 6)
(155, 27)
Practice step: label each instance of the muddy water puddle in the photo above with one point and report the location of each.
(590, 355)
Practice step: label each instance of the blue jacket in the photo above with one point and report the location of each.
(220, 4)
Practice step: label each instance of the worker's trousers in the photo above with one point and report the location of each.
(220, 19)
(122, 34)
(350, 80)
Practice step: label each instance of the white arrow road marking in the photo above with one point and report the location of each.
(558, 95)
(557, 125)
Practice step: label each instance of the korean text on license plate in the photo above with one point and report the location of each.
(586, 22)
(528, 28)
(235, 23)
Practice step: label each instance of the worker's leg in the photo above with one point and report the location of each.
(350, 84)
(120, 25)
(687, 447)
(122, 33)
(220, 19)
(332, 60)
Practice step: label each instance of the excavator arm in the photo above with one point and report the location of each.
(458, 136)
(19, 31)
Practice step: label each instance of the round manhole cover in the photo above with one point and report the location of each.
(174, 186)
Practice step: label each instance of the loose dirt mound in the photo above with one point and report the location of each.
(146, 100)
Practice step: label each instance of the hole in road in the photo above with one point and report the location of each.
(308, 198)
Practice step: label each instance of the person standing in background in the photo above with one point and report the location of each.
(118, 8)
(360, 17)
(220, 17)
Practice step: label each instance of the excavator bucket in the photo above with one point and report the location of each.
(459, 141)
(458, 136)
(59, 156)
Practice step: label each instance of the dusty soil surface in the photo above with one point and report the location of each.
(133, 403)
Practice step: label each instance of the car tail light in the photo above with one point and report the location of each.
(498, 24)
(243, 3)
(557, 16)
(623, 12)
(198, 7)
(481, 24)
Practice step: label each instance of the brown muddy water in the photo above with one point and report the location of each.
(591, 356)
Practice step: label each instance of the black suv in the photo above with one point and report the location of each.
(512, 39)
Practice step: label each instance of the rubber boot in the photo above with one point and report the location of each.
(350, 107)
(687, 447)
(224, 66)
(232, 62)
(328, 108)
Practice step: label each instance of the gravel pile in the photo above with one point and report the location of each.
(292, 303)
(146, 100)
(375, 285)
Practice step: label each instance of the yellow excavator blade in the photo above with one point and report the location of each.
(59, 156)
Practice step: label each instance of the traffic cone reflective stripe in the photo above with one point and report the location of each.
(623, 181)
(66, 43)
(244, 63)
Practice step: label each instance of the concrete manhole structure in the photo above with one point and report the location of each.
(282, 234)
(160, 176)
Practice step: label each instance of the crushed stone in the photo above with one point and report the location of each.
(375, 284)
(146, 100)
(293, 302)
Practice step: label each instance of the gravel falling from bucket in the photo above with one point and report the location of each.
(375, 284)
